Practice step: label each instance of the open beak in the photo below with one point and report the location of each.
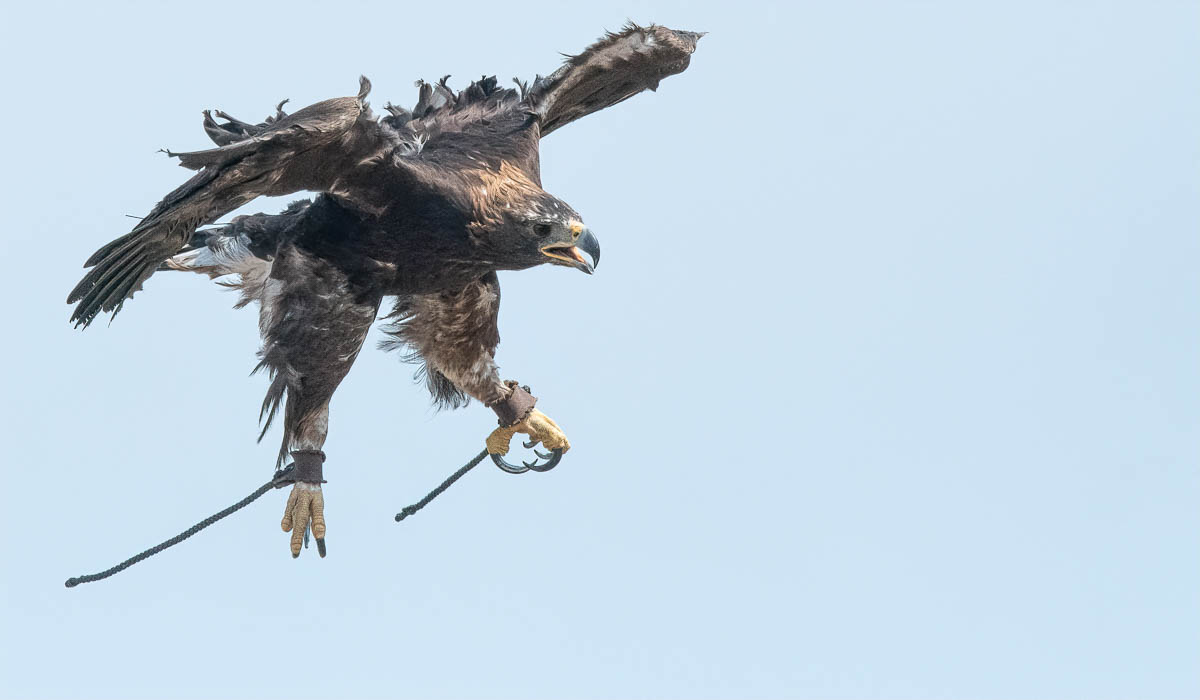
(571, 254)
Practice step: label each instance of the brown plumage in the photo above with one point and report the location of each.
(423, 205)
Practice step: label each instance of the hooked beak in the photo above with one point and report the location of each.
(569, 253)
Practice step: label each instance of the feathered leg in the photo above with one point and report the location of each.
(314, 320)
(454, 335)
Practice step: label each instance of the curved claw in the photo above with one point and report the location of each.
(529, 444)
(547, 466)
(553, 459)
(544, 455)
(505, 466)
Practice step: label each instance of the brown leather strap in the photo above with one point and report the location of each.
(516, 407)
(308, 465)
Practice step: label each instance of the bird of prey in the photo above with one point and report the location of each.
(420, 206)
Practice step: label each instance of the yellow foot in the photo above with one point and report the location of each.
(537, 426)
(305, 508)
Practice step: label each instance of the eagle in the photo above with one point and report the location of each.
(418, 207)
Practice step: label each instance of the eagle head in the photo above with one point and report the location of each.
(520, 225)
(551, 232)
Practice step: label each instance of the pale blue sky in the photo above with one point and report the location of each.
(887, 386)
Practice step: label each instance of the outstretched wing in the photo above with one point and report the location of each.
(615, 68)
(307, 150)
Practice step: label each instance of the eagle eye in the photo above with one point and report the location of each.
(542, 230)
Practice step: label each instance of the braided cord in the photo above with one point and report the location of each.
(409, 510)
(88, 578)
(280, 479)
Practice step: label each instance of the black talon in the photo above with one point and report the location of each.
(529, 445)
(505, 466)
(547, 466)
(553, 459)
(321, 546)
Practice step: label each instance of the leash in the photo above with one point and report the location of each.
(551, 462)
(286, 476)
(409, 510)
(282, 478)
